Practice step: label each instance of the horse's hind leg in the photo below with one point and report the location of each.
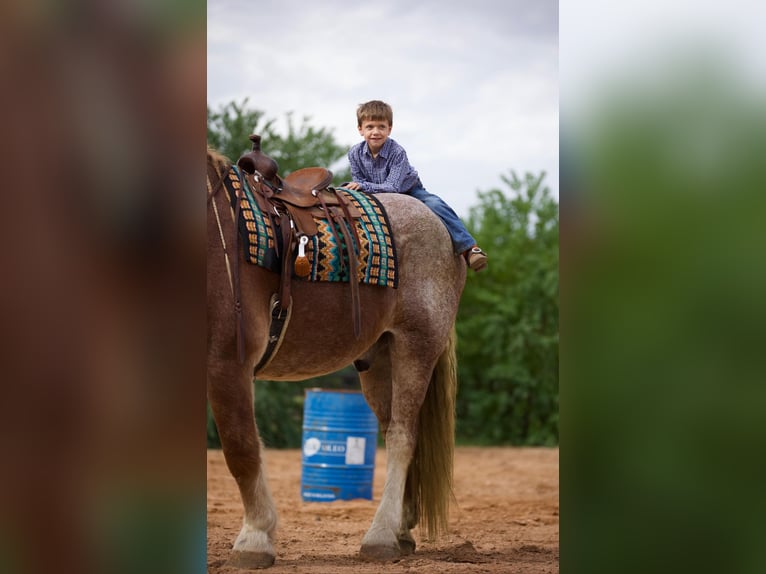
(409, 521)
(402, 386)
(230, 391)
(375, 377)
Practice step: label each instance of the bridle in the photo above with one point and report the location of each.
(231, 269)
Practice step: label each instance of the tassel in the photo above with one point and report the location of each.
(302, 267)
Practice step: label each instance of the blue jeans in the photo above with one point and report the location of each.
(461, 239)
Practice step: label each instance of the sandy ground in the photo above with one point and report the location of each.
(506, 519)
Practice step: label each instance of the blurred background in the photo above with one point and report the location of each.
(103, 292)
(662, 274)
(508, 318)
(661, 192)
(474, 89)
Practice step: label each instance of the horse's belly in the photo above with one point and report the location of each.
(320, 335)
(299, 359)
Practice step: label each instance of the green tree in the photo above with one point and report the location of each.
(508, 320)
(305, 146)
(279, 408)
(278, 405)
(229, 128)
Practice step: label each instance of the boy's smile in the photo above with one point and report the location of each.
(375, 133)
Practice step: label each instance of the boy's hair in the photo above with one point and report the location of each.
(374, 110)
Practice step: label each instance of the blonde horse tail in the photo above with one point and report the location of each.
(429, 479)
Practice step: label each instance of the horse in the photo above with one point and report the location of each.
(405, 355)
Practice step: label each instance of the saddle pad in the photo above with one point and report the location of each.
(377, 260)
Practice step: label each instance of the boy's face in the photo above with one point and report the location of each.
(375, 133)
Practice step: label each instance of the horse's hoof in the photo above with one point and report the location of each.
(379, 553)
(250, 560)
(407, 546)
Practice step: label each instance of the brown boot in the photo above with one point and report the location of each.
(476, 258)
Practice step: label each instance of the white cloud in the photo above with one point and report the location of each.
(474, 87)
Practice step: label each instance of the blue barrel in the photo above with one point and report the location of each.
(339, 439)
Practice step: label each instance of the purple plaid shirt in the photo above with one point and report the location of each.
(390, 172)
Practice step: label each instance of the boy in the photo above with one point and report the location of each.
(380, 165)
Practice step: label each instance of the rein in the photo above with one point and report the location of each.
(290, 228)
(232, 271)
(280, 305)
(281, 302)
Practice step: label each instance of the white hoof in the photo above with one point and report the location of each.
(250, 560)
(252, 549)
(380, 544)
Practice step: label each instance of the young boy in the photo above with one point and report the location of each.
(380, 165)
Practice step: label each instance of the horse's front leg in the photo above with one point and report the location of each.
(230, 391)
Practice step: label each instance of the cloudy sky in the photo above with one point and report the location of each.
(473, 85)
(604, 40)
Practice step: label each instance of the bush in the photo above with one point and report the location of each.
(508, 320)
(279, 408)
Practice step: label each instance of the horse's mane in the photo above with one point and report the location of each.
(217, 159)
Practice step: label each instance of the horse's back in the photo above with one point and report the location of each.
(429, 270)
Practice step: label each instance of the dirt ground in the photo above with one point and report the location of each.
(506, 519)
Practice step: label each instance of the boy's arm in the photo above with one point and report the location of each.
(356, 168)
(399, 168)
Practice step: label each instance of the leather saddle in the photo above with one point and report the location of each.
(292, 203)
(304, 189)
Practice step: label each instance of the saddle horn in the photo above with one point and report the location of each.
(256, 160)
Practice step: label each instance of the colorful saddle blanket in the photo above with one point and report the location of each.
(377, 259)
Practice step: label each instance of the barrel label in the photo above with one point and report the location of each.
(355, 447)
(312, 446)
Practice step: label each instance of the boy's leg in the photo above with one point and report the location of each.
(461, 239)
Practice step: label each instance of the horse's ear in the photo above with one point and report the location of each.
(258, 161)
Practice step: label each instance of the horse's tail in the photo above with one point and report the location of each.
(429, 479)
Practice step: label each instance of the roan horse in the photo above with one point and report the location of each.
(406, 346)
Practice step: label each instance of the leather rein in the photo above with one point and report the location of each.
(232, 270)
(279, 215)
(280, 311)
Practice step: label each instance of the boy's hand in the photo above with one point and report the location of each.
(352, 185)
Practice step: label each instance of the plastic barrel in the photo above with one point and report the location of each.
(339, 439)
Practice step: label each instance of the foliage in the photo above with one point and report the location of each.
(213, 440)
(508, 320)
(307, 146)
(279, 408)
(229, 128)
(278, 405)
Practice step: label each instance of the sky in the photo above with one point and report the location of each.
(473, 85)
(601, 41)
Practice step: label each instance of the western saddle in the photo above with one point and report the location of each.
(291, 204)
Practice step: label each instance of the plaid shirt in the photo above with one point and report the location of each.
(390, 172)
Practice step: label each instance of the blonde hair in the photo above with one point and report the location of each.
(374, 110)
